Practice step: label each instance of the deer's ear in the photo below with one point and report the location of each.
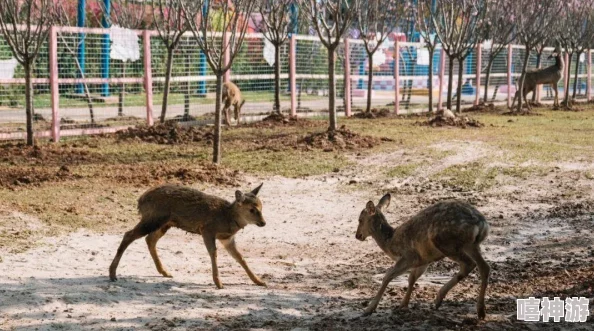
(384, 202)
(370, 208)
(239, 197)
(257, 189)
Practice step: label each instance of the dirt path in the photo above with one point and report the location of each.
(319, 277)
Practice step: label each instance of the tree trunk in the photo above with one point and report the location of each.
(216, 145)
(577, 72)
(459, 97)
(369, 81)
(430, 82)
(450, 83)
(568, 64)
(123, 89)
(538, 62)
(29, 103)
(522, 79)
(277, 84)
(488, 78)
(332, 90)
(169, 67)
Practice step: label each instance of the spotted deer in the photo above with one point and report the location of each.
(232, 97)
(549, 75)
(450, 228)
(167, 206)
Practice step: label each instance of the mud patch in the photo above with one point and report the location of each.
(12, 177)
(151, 174)
(47, 154)
(341, 139)
(572, 209)
(166, 134)
(280, 120)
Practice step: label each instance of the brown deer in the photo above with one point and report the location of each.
(451, 228)
(167, 206)
(549, 75)
(232, 97)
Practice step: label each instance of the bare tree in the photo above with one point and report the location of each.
(533, 20)
(576, 32)
(205, 20)
(170, 22)
(71, 44)
(426, 29)
(276, 25)
(459, 25)
(331, 19)
(499, 29)
(25, 25)
(376, 20)
(126, 14)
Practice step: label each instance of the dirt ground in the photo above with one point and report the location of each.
(319, 276)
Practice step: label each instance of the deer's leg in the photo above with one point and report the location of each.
(211, 246)
(466, 266)
(227, 117)
(412, 279)
(151, 241)
(236, 112)
(140, 230)
(556, 102)
(484, 270)
(525, 95)
(232, 249)
(398, 269)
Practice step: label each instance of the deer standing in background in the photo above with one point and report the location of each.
(232, 97)
(167, 206)
(451, 228)
(549, 75)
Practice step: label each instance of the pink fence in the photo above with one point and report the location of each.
(400, 80)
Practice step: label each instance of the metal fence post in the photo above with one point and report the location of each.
(479, 59)
(441, 77)
(148, 76)
(292, 73)
(510, 50)
(54, 86)
(347, 78)
(589, 74)
(396, 77)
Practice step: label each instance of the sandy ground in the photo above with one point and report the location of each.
(319, 276)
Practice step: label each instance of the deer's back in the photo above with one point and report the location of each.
(231, 93)
(444, 226)
(185, 207)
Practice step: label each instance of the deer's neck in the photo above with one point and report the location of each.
(559, 61)
(382, 232)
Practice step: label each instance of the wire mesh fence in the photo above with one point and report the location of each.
(101, 76)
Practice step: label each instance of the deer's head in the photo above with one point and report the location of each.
(248, 207)
(369, 215)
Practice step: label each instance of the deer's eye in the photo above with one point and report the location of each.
(253, 211)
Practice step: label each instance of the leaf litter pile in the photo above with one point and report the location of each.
(374, 113)
(447, 119)
(279, 120)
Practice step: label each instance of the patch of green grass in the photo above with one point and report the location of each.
(523, 172)
(469, 176)
(402, 170)
(291, 163)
